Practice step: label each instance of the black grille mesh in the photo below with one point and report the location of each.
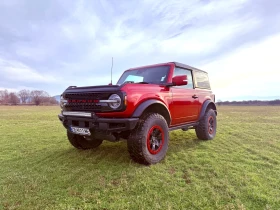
(87, 95)
(86, 106)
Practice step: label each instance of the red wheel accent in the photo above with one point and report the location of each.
(155, 139)
(211, 125)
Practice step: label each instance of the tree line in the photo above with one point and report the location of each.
(249, 103)
(34, 97)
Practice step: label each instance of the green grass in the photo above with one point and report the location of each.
(239, 169)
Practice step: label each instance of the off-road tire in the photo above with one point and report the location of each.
(80, 142)
(206, 129)
(152, 127)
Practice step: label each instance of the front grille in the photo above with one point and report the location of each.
(98, 96)
(94, 107)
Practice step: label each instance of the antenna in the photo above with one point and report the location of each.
(111, 71)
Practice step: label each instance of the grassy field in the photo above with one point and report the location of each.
(239, 169)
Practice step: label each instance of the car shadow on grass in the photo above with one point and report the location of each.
(184, 141)
(107, 153)
(111, 154)
(116, 152)
(185, 145)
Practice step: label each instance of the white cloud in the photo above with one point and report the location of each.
(17, 88)
(82, 24)
(168, 19)
(251, 70)
(36, 53)
(9, 89)
(16, 71)
(75, 47)
(206, 39)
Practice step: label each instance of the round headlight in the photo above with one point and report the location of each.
(116, 101)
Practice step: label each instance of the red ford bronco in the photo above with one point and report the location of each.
(146, 103)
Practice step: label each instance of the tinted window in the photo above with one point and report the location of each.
(202, 80)
(179, 71)
(134, 78)
(157, 74)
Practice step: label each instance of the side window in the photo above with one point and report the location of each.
(179, 71)
(202, 80)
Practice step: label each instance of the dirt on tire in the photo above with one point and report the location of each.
(206, 129)
(139, 144)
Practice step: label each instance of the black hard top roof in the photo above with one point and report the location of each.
(181, 65)
(177, 64)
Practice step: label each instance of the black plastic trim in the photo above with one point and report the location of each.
(181, 65)
(204, 107)
(141, 108)
(106, 124)
(184, 126)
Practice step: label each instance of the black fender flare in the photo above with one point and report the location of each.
(144, 105)
(204, 107)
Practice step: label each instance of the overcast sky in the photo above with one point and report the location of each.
(50, 45)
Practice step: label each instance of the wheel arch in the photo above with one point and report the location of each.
(155, 106)
(206, 105)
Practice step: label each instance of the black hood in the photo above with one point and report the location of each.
(92, 89)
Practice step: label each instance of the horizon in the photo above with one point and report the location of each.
(52, 45)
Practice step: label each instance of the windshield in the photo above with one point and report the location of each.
(151, 75)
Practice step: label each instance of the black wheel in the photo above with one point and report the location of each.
(81, 142)
(148, 142)
(206, 130)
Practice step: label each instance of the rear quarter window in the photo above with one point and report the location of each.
(201, 80)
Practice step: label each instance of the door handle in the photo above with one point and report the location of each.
(194, 96)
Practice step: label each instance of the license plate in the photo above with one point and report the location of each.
(80, 131)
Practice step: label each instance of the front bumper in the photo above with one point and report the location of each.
(99, 124)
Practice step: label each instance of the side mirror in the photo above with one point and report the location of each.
(180, 80)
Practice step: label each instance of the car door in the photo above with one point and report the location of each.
(185, 103)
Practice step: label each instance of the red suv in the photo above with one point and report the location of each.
(146, 103)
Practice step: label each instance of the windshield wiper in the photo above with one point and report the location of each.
(128, 82)
(142, 83)
(136, 82)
